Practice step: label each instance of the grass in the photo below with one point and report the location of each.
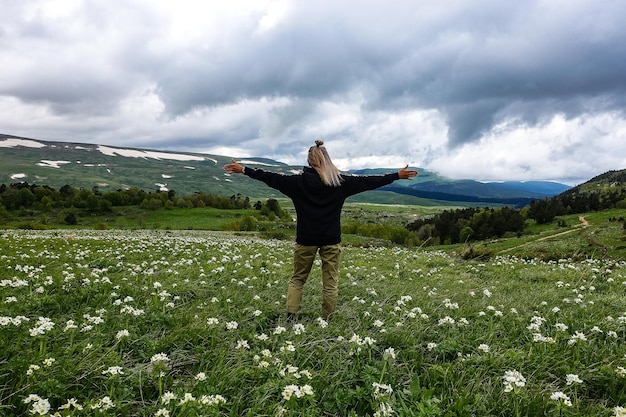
(191, 323)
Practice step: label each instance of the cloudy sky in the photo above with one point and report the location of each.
(484, 89)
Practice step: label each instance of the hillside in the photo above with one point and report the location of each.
(109, 168)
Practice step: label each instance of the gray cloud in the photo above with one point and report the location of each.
(264, 76)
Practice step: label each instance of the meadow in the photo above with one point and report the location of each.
(192, 323)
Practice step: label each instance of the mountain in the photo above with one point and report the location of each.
(56, 164)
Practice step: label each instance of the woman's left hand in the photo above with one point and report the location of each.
(407, 174)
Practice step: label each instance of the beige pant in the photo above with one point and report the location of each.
(303, 257)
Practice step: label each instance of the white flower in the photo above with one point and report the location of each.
(322, 323)
(559, 396)
(121, 334)
(512, 379)
(200, 376)
(188, 397)
(162, 412)
(289, 391)
(298, 328)
(572, 379)
(41, 407)
(232, 325)
(167, 397)
(159, 357)
(619, 412)
(562, 327)
(389, 353)
(576, 337)
(431, 345)
(113, 370)
(279, 330)
(485, 348)
(242, 344)
(381, 390)
(32, 368)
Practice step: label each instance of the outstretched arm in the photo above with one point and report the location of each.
(407, 174)
(233, 168)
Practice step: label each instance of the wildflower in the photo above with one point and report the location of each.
(242, 344)
(560, 326)
(572, 379)
(32, 368)
(431, 345)
(113, 370)
(576, 337)
(71, 403)
(104, 403)
(159, 357)
(200, 376)
(288, 346)
(378, 323)
(619, 412)
(322, 323)
(162, 412)
(279, 330)
(232, 325)
(621, 371)
(167, 397)
(381, 390)
(188, 397)
(512, 379)
(257, 313)
(211, 400)
(384, 410)
(389, 353)
(446, 320)
(298, 328)
(559, 396)
(483, 347)
(289, 391)
(42, 325)
(121, 334)
(41, 406)
(535, 323)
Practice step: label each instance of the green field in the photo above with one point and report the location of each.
(191, 323)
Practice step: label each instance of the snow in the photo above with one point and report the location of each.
(256, 163)
(11, 143)
(18, 176)
(132, 153)
(52, 164)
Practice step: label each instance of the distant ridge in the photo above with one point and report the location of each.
(80, 165)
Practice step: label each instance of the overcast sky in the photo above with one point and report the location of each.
(483, 89)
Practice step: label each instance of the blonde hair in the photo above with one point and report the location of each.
(319, 160)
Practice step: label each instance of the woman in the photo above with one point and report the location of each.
(318, 195)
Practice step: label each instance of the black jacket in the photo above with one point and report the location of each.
(318, 206)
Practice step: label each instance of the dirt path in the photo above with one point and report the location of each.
(583, 223)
